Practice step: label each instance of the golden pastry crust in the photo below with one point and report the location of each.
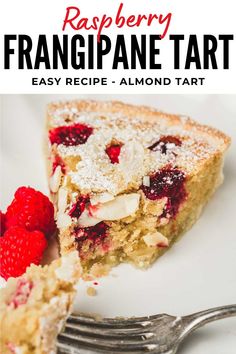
(146, 113)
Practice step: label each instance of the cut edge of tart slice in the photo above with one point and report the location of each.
(34, 306)
(127, 181)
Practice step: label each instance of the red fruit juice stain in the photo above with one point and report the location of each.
(70, 135)
(163, 143)
(168, 183)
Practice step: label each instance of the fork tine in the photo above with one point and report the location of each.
(132, 335)
(69, 342)
(121, 323)
(105, 330)
(108, 335)
(112, 335)
(85, 317)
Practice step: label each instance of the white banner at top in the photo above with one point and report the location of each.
(110, 46)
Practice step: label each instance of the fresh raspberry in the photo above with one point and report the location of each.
(95, 235)
(113, 151)
(162, 144)
(18, 249)
(2, 223)
(70, 135)
(78, 207)
(32, 210)
(167, 183)
(57, 161)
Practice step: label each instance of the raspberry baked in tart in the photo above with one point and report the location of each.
(35, 306)
(127, 181)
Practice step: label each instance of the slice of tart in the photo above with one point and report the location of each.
(126, 180)
(34, 306)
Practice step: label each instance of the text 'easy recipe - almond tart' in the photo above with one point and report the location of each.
(127, 180)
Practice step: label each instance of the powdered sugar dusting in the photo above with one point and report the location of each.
(95, 172)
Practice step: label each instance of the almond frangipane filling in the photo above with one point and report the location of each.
(129, 180)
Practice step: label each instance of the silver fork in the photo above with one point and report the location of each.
(153, 334)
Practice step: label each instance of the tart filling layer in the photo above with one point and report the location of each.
(126, 180)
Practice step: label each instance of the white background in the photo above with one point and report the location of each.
(189, 17)
(197, 273)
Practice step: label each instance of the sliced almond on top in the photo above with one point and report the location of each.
(156, 239)
(119, 208)
(86, 220)
(101, 198)
(55, 179)
(131, 160)
(146, 181)
(62, 199)
(63, 220)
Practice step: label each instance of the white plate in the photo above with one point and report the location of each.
(197, 273)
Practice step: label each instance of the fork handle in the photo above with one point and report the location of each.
(201, 318)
